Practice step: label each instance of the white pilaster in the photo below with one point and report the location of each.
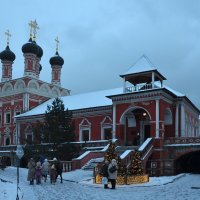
(102, 132)
(157, 118)
(153, 79)
(124, 85)
(177, 120)
(114, 122)
(182, 120)
(26, 102)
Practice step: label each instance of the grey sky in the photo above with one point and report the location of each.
(100, 39)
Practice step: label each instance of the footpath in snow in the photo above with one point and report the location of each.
(79, 185)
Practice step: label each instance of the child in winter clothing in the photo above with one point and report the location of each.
(53, 173)
(45, 169)
(38, 173)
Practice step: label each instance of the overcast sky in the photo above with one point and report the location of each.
(101, 39)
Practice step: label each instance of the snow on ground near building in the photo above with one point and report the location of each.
(78, 185)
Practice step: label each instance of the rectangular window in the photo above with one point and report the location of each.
(29, 139)
(17, 113)
(8, 118)
(85, 135)
(107, 133)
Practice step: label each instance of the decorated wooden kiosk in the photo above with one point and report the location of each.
(133, 173)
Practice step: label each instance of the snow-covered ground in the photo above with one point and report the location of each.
(78, 185)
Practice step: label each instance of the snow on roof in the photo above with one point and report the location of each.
(143, 64)
(86, 100)
(178, 94)
(78, 101)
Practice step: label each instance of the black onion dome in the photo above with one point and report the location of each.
(7, 54)
(56, 60)
(30, 47)
(40, 52)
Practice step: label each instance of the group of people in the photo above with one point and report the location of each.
(109, 173)
(38, 171)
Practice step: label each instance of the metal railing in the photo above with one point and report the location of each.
(139, 87)
(182, 140)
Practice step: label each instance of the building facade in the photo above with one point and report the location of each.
(144, 113)
(22, 94)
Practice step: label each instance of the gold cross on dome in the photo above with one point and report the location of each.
(31, 28)
(7, 33)
(35, 27)
(57, 42)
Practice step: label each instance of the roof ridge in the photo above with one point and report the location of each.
(143, 63)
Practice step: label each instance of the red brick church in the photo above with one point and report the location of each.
(144, 113)
(143, 107)
(22, 94)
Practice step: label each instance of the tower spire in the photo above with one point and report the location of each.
(8, 35)
(57, 42)
(35, 28)
(31, 28)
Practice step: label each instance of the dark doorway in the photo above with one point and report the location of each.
(147, 130)
(189, 163)
(7, 141)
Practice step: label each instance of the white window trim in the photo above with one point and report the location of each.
(81, 133)
(103, 130)
(5, 114)
(105, 125)
(84, 127)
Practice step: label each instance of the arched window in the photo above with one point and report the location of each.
(131, 120)
(106, 128)
(168, 117)
(85, 130)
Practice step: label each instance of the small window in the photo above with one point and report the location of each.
(85, 135)
(7, 141)
(17, 113)
(29, 139)
(107, 133)
(8, 118)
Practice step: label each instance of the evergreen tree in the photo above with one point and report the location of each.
(58, 123)
(111, 152)
(121, 168)
(135, 167)
(57, 132)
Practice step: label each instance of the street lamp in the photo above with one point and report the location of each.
(19, 154)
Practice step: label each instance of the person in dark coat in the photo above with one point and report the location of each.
(104, 172)
(59, 170)
(31, 171)
(53, 172)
